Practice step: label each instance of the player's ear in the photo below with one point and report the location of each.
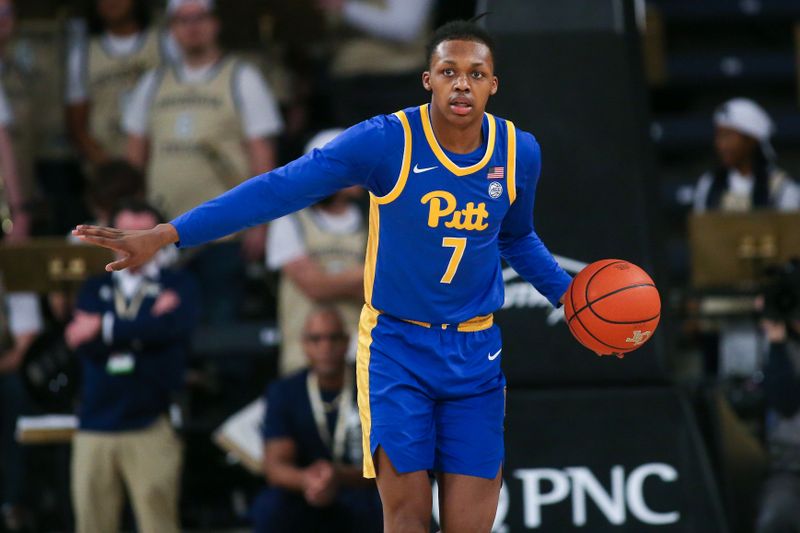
(426, 80)
(495, 84)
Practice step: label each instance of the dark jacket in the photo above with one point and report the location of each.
(114, 400)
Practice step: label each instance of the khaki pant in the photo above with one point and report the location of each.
(146, 463)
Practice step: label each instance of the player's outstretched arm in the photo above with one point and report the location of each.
(133, 247)
(348, 160)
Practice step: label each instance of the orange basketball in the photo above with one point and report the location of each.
(612, 307)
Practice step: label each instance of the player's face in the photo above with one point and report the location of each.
(325, 344)
(733, 148)
(461, 78)
(7, 20)
(194, 29)
(115, 11)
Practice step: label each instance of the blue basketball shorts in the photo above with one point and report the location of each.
(432, 397)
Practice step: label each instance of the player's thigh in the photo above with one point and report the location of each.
(406, 497)
(468, 504)
(401, 411)
(469, 433)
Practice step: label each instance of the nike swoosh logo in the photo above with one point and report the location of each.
(496, 355)
(418, 170)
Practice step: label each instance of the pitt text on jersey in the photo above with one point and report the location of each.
(469, 218)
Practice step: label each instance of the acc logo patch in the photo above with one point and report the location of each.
(495, 189)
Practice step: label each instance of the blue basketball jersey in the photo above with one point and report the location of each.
(439, 222)
(432, 252)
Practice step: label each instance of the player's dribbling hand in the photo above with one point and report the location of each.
(133, 247)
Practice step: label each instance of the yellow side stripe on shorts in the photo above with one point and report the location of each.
(367, 322)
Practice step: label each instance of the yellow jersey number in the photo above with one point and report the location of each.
(458, 244)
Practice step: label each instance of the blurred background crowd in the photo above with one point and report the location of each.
(129, 112)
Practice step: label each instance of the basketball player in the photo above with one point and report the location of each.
(452, 191)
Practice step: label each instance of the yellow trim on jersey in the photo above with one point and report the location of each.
(405, 167)
(442, 157)
(511, 183)
(478, 323)
(368, 321)
(371, 258)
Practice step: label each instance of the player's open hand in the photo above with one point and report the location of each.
(133, 247)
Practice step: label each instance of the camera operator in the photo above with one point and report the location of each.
(780, 503)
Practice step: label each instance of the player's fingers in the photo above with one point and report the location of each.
(105, 242)
(96, 231)
(119, 264)
(94, 226)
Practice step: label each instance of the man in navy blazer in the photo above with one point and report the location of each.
(131, 330)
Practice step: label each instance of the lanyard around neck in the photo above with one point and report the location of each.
(318, 410)
(129, 311)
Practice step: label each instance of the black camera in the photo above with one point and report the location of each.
(782, 292)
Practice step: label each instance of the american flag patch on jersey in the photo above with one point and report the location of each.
(496, 173)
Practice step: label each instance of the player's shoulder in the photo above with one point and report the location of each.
(377, 132)
(528, 150)
(526, 141)
(389, 122)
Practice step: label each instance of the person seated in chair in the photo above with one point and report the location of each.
(312, 443)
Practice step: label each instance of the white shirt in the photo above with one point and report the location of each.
(77, 58)
(785, 198)
(400, 20)
(128, 283)
(24, 313)
(259, 114)
(285, 239)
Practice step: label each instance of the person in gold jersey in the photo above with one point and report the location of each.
(197, 128)
(103, 71)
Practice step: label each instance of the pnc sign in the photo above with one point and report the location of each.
(623, 501)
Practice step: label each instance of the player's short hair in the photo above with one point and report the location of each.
(459, 30)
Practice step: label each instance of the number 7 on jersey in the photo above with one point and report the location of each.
(458, 244)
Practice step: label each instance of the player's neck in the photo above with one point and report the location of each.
(123, 28)
(458, 139)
